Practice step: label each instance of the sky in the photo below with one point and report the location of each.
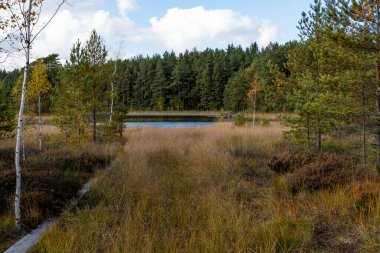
(133, 27)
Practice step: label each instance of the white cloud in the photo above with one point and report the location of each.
(177, 30)
(182, 29)
(126, 5)
(68, 26)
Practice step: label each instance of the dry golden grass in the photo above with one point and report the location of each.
(210, 190)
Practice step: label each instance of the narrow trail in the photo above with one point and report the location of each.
(31, 239)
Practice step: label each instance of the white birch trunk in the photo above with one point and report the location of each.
(112, 89)
(19, 124)
(39, 124)
(23, 143)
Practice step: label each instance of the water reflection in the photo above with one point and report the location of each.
(168, 124)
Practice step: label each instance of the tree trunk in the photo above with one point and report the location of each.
(254, 111)
(19, 124)
(112, 88)
(364, 142)
(308, 130)
(364, 126)
(378, 83)
(94, 124)
(39, 124)
(378, 110)
(319, 136)
(111, 109)
(66, 137)
(23, 143)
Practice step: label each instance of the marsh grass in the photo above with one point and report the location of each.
(210, 190)
(50, 177)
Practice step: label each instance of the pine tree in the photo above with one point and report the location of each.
(204, 80)
(98, 75)
(218, 81)
(235, 94)
(360, 20)
(69, 106)
(306, 63)
(158, 86)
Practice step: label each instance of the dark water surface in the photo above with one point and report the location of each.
(169, 121)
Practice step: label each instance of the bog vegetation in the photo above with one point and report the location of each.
(211, 190)
(314, 188)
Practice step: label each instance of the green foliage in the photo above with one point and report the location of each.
(265, 122)
(118, 119)
(330, 84)
(235, 96)
(68, 106)
(240, 119)
(7, 117)
(85, 88)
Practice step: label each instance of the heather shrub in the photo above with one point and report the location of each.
(290, 161)
(66, 160)
(326, 171)
(7, 155)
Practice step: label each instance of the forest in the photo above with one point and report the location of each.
(328, 79)
(319, 157)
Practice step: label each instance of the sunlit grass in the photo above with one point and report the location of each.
(210, 190)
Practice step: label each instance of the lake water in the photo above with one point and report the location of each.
(168, 124)
(170, 121)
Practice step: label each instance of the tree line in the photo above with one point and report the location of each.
(329, 79)
(193, 80)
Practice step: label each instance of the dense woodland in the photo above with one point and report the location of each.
(193, 80)
(329, 79)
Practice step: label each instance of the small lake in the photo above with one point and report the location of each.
(170, 121)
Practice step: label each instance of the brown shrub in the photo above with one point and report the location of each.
(7, 155)
(290, 161)
(326, 171)
(64, 160)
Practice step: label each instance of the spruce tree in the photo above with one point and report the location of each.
(158, 88)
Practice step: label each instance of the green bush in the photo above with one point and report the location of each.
(240, 119)
(265, 122)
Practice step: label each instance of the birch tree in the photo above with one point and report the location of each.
(113, 86)
(252, 94)
(20, 23)
(38, 86)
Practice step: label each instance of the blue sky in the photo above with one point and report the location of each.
(134, 27)
(283, 13)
